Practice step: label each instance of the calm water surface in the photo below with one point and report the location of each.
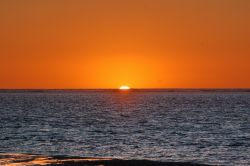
(202, 127)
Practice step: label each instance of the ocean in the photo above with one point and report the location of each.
(207, 127)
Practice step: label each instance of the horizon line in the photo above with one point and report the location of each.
(95, 89)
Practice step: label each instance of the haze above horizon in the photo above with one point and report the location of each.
(144, 44)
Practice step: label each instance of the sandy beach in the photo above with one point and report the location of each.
(10, 159)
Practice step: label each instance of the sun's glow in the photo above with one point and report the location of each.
(124, 87)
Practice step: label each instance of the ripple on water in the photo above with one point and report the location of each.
(212, 128)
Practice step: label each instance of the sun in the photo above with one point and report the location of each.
(124, 87)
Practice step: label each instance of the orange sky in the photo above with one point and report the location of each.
(140, 43)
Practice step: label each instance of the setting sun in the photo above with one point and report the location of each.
(124, 88)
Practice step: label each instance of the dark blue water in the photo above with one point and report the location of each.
(202, 127)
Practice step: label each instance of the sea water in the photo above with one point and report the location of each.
(201, 127)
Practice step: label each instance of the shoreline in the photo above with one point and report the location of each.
(14, 159)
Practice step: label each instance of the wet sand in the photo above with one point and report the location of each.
(10, 159)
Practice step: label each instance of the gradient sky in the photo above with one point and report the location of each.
(140, 43)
